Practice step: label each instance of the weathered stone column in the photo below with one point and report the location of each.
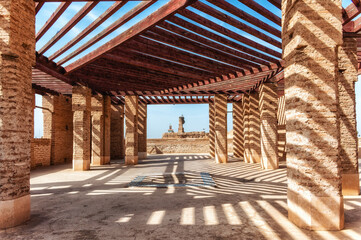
(142, 130)
(254, 128)
(347, 63)
(97, 133)
(246, 132)
(268, 101)
(220, 113)
(58, 126)
(131, 133)
(238, 138)
(117, 132)
(312, 32)
(17, 56)
(106, 114)
(211, 130)
(81, 98)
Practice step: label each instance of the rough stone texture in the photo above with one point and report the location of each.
(58, 126)
(17, 56)
(220, 129)
(180, 125)
(347, 64)
(254, 128)
(181, 145)
(211, 130)
(281, 129)
(106, 114)
(142, 130)
(268, 119)
(238, 138)
(41, 152)
(246, 133)
(201, 134)
(117, 132)
(81, 100)
(312, 32)
(131, 134)
(97, 133)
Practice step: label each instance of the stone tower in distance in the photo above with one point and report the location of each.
(181, 122)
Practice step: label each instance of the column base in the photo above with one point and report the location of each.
(81, 165)
(315, 213)
(247, 158)
(142, 155)
(350, 184)
(221, 158)
(131, 160)
(255, 157)
(97, 161)
(106, 159)
(269, 164)
(14, 212)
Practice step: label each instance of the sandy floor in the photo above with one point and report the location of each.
(248, 203)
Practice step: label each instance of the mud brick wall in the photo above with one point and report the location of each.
(117, 132)
(41, 152)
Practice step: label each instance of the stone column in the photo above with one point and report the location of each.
(268, 101)
(238, 138)
(142, 130)
(246, 133)
(17, 56)
(58, 126)
(106, 114)
(220, 112)
(347, 63)
(254, 128)
(81, 98)
(97, 133)
(131, 134)
(312, 32)
(117, 132)
(211, 130)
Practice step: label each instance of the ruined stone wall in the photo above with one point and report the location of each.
(201, 134)
(181, 145)
(41, 149)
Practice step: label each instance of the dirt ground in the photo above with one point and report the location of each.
(247, 203)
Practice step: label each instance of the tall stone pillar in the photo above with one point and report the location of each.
(131, 134)
(268, 102)
(220, 112)
(142, 130)
(106, 114)
(238, 138)
(81, 99)
(58, 126)
(17, 56)
(211, 130)
(246, 132)
(97, 133)
(117, 132)
(347, 63)
(310, 50)
(254, 128)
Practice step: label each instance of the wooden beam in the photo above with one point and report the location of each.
(170, 8)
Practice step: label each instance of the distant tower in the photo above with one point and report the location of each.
(170, 130)
(181, 122)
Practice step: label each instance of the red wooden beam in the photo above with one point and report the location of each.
(38, 6)
(79, 16)
(261, 10)
(170, 8)
(351, 12)
(58, 12)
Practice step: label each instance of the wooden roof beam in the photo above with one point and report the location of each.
(170, 8)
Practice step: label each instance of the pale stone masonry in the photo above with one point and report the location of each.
(131, 133)
(142, 130)
(106, 114)
(97, 124)
(81, 100)
(312, 32)
(246, 133)
(268, 119)
(58, 126)
(238, 138)
(347, 64)
(211, 130)
(254, 128)
(17, 56)
(117, 132)
(220, 112)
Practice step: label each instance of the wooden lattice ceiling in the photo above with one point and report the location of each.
(185, 47)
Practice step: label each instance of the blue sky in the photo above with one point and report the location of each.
(159, 116)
